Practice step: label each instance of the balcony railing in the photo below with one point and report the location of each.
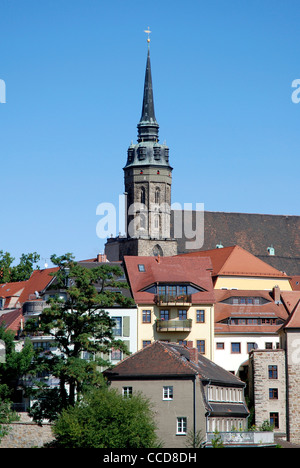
(174, 325)
(167, 299)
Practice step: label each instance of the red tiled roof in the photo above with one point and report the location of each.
(11, 320)
(162, 360)
(169, 270)
(295, 283)
(19, 292)
(290, 299)
(235, 261)
(294, 319)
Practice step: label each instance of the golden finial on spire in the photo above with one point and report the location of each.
(147, 31)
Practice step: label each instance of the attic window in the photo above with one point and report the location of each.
(141, 267)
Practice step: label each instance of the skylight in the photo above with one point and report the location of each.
(141, 267)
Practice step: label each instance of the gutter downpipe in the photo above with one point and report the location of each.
(194, 406)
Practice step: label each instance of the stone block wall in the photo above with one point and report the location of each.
(26, 434)
(261, 383)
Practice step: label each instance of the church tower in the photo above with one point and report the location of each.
(148, 179)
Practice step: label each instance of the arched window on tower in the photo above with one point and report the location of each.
(157, 222)
(143, 195)
(157, 195)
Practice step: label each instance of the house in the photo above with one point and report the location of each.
(246, 320)
(189, 392)
(274, 376)
(125, 318)
(15, 297)
(175, 300)
(236, 268)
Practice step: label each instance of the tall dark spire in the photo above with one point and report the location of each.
(148, 126)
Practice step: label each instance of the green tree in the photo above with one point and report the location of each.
(16, 364)
(76, 324)
(104, 419)
(20, 272)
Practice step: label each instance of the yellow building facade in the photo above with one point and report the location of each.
(180, 323)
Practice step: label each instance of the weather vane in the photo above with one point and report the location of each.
(147, 31)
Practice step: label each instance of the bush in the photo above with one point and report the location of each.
(104, 419)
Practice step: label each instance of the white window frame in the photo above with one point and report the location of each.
(127, 392)
(181, 428)
(168, 392)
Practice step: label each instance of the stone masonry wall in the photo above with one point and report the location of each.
(26, 434)
(264, 405)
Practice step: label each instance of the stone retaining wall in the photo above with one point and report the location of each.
(26, 434)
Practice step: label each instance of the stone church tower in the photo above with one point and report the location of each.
(148, 179)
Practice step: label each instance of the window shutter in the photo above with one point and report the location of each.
(126, 326)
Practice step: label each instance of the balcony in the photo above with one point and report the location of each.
(173, 300)
(174, 325)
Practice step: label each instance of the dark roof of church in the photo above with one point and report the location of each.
(253, 232)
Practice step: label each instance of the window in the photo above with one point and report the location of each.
(164, 315)
(181, 426)
(251, 346)
(127, 392)
(146, 318)
(274, 420)
(273, 393)
(157, 195)
(182, 290)
(220, 345)
(182, 314)
(141, 267)
(201, 346)
(200, 316)
(273, 372)
(117, 329)
(143, 195)
(235, 348)
(116, 354)
(146, 343)
(268, 345)
(182, 342)
(168, 393)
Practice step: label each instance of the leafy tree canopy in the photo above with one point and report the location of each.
(75, 325)
(20, 272)
(104, 419)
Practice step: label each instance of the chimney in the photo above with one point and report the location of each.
(276, 294)
(101, 258)
(193, 352)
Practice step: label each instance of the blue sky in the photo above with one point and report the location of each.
(74, 71)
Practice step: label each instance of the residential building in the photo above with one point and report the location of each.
(175, 300)
(189, 393)
(274, 378)
(246, 320)
(235, 268)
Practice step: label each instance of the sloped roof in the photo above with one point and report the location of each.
(196, 271)
(17, 293)
(294, 319)
(251, 231)
(11, 320)
(236, 261)
(161, 359)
